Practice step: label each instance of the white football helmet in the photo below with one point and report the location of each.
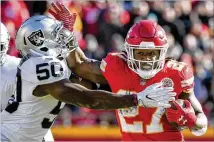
(43, 36)
(5, 38)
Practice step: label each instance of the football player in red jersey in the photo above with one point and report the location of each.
(142, 64)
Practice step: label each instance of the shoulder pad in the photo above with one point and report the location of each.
(43, 70)
(185, 73)
(113, 61)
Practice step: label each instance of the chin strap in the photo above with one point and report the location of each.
(146, 74)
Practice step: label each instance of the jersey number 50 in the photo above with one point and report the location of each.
(44, 70)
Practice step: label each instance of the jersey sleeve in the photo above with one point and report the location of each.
(187, 79)
(112, 66)
(111, 63)
(43, 70)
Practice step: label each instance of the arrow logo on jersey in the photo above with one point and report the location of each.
(36, 38)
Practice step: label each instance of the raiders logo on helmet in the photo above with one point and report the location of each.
(167, 82)
(36, 38)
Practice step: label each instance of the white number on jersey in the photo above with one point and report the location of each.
(137, 127)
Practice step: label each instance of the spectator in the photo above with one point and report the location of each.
(13, 13)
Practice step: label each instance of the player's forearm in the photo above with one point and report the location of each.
(201, 121)
(200, 125)
(90, 70)
(106, 100)
(95, 99)
(84, 67)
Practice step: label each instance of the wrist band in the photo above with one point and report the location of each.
(135, 99)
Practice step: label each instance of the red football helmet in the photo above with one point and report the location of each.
(146, 34)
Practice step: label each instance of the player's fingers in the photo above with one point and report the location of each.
(163, 104)
(64, 8)
(176, 105)
(165, 98)
(74, 15)
(172, 99)
(169, 99)
(172, 94)
(59, 5)
(161, 94)
(165, 90)
(52, 13)
(187, 103)
(171, 111)
(157, 85)
(161, 90)
(153, 91)
(168, 88)
(55, 7)
(170, 114)
(153, 86)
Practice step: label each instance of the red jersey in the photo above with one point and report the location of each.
(139, 123)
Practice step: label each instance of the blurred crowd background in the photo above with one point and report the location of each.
(101, 27)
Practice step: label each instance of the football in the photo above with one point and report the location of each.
(183, 105)
(180, 102)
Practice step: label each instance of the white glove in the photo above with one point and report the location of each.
(156, 96)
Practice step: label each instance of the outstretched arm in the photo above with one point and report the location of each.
(80, 96)
(153, 96)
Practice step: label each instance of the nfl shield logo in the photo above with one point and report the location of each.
(36, 38)
(142, 82)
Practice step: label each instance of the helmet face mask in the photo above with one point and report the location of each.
(4, 38)
(65, 40)
(42, 35)
(145, 59)
(146, 48)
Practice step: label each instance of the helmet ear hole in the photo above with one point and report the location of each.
(45, 49)
(2, 47)
(25, 43)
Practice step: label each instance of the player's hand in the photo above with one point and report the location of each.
(61, 13)
(156, 96)
(76, 57)
(181, 116)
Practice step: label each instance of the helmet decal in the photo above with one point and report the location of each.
(36, 38)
